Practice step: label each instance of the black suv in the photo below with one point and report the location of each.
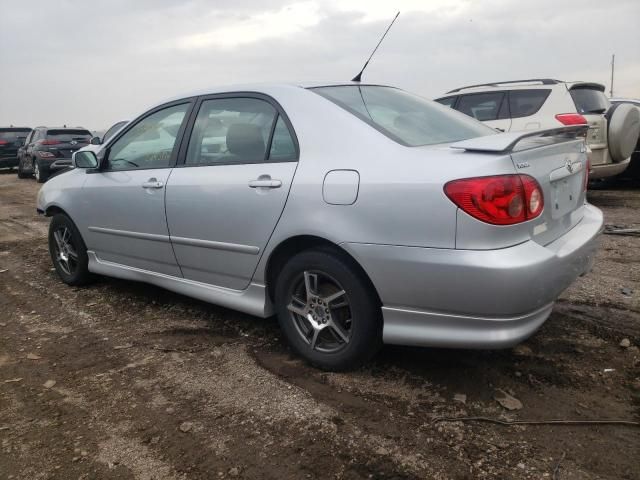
(11, 139)
(48, 150)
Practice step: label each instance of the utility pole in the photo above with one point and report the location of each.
(613, 63)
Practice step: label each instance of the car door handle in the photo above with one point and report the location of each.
(265, 183)
(152, 183)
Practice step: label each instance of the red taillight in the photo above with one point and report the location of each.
(49, 142)
(3, 142)
(499, 200)
(571, 119)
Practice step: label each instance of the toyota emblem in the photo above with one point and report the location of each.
(569, 165)
(73, 142)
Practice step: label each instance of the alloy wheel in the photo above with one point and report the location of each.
(65, 252)
(321, 312)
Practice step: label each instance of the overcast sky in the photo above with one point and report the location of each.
(78, 62)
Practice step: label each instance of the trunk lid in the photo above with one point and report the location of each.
(591, 103)
(560, 169)
(557, 160)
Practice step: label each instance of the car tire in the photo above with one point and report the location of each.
(68, 251)
(623, 130)
(21, 172)
(40, 175)
(349, 327)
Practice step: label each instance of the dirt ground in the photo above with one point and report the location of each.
(124, 380)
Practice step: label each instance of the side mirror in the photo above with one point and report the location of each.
(85, 159)
(96, 141)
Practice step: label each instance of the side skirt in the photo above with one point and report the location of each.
(253, 300)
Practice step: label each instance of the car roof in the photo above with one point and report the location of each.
(62, 128)
(14, 129)
(533, 83)
(266, 88)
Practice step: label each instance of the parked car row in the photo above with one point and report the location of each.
(44, 151)
(613, 127)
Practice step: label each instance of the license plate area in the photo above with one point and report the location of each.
(565, 194)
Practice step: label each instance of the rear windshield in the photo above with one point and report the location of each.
(68, 135)
(408, 119)
(13, 134)
(589, 100)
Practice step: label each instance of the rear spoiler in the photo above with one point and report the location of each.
(505, 142)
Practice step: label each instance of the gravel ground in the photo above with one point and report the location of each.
(124, 380)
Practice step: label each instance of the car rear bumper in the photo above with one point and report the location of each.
(475, 298)
(608, 169)
(8, 162)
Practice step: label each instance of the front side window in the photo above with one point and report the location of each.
(150, 142)
(115, 128)
(523, 103)
(408, 119)
(481, 106)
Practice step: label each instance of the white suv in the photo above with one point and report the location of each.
(546, 103)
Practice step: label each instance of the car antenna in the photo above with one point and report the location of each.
(358, 77)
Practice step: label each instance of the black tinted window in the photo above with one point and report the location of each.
(69, 135)
(447, 102)
(589, 100)
(481, 106)
(231, 130)
(523, 103)
(11, 135)
(408, 119)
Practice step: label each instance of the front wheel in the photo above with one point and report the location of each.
(68, 251)
(328, 311)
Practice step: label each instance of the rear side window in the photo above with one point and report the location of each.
(67, 135)
(232, 130)
(405, 118)
(523, 103)
(447, 101)
(589, 100)
(481, 106)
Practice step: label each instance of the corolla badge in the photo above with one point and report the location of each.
(569, 165)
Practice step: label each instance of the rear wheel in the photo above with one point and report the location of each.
(41, 176)
(21, 172)
(68, 251)
(328, 311)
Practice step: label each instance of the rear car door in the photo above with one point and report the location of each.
(225, 200)
(123, 218)
(491, 108)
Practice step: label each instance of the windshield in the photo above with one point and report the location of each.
(589, 100)
(408, 119)
(69, 135)
(11, 135)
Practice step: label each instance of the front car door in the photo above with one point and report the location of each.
(224, 201)
(123, 218)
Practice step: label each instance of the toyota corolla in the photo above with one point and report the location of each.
(358, 214)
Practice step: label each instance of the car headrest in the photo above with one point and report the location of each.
(245, 140)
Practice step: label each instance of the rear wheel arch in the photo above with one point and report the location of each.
(300, 243)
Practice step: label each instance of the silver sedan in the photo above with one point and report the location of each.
(359, 214)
